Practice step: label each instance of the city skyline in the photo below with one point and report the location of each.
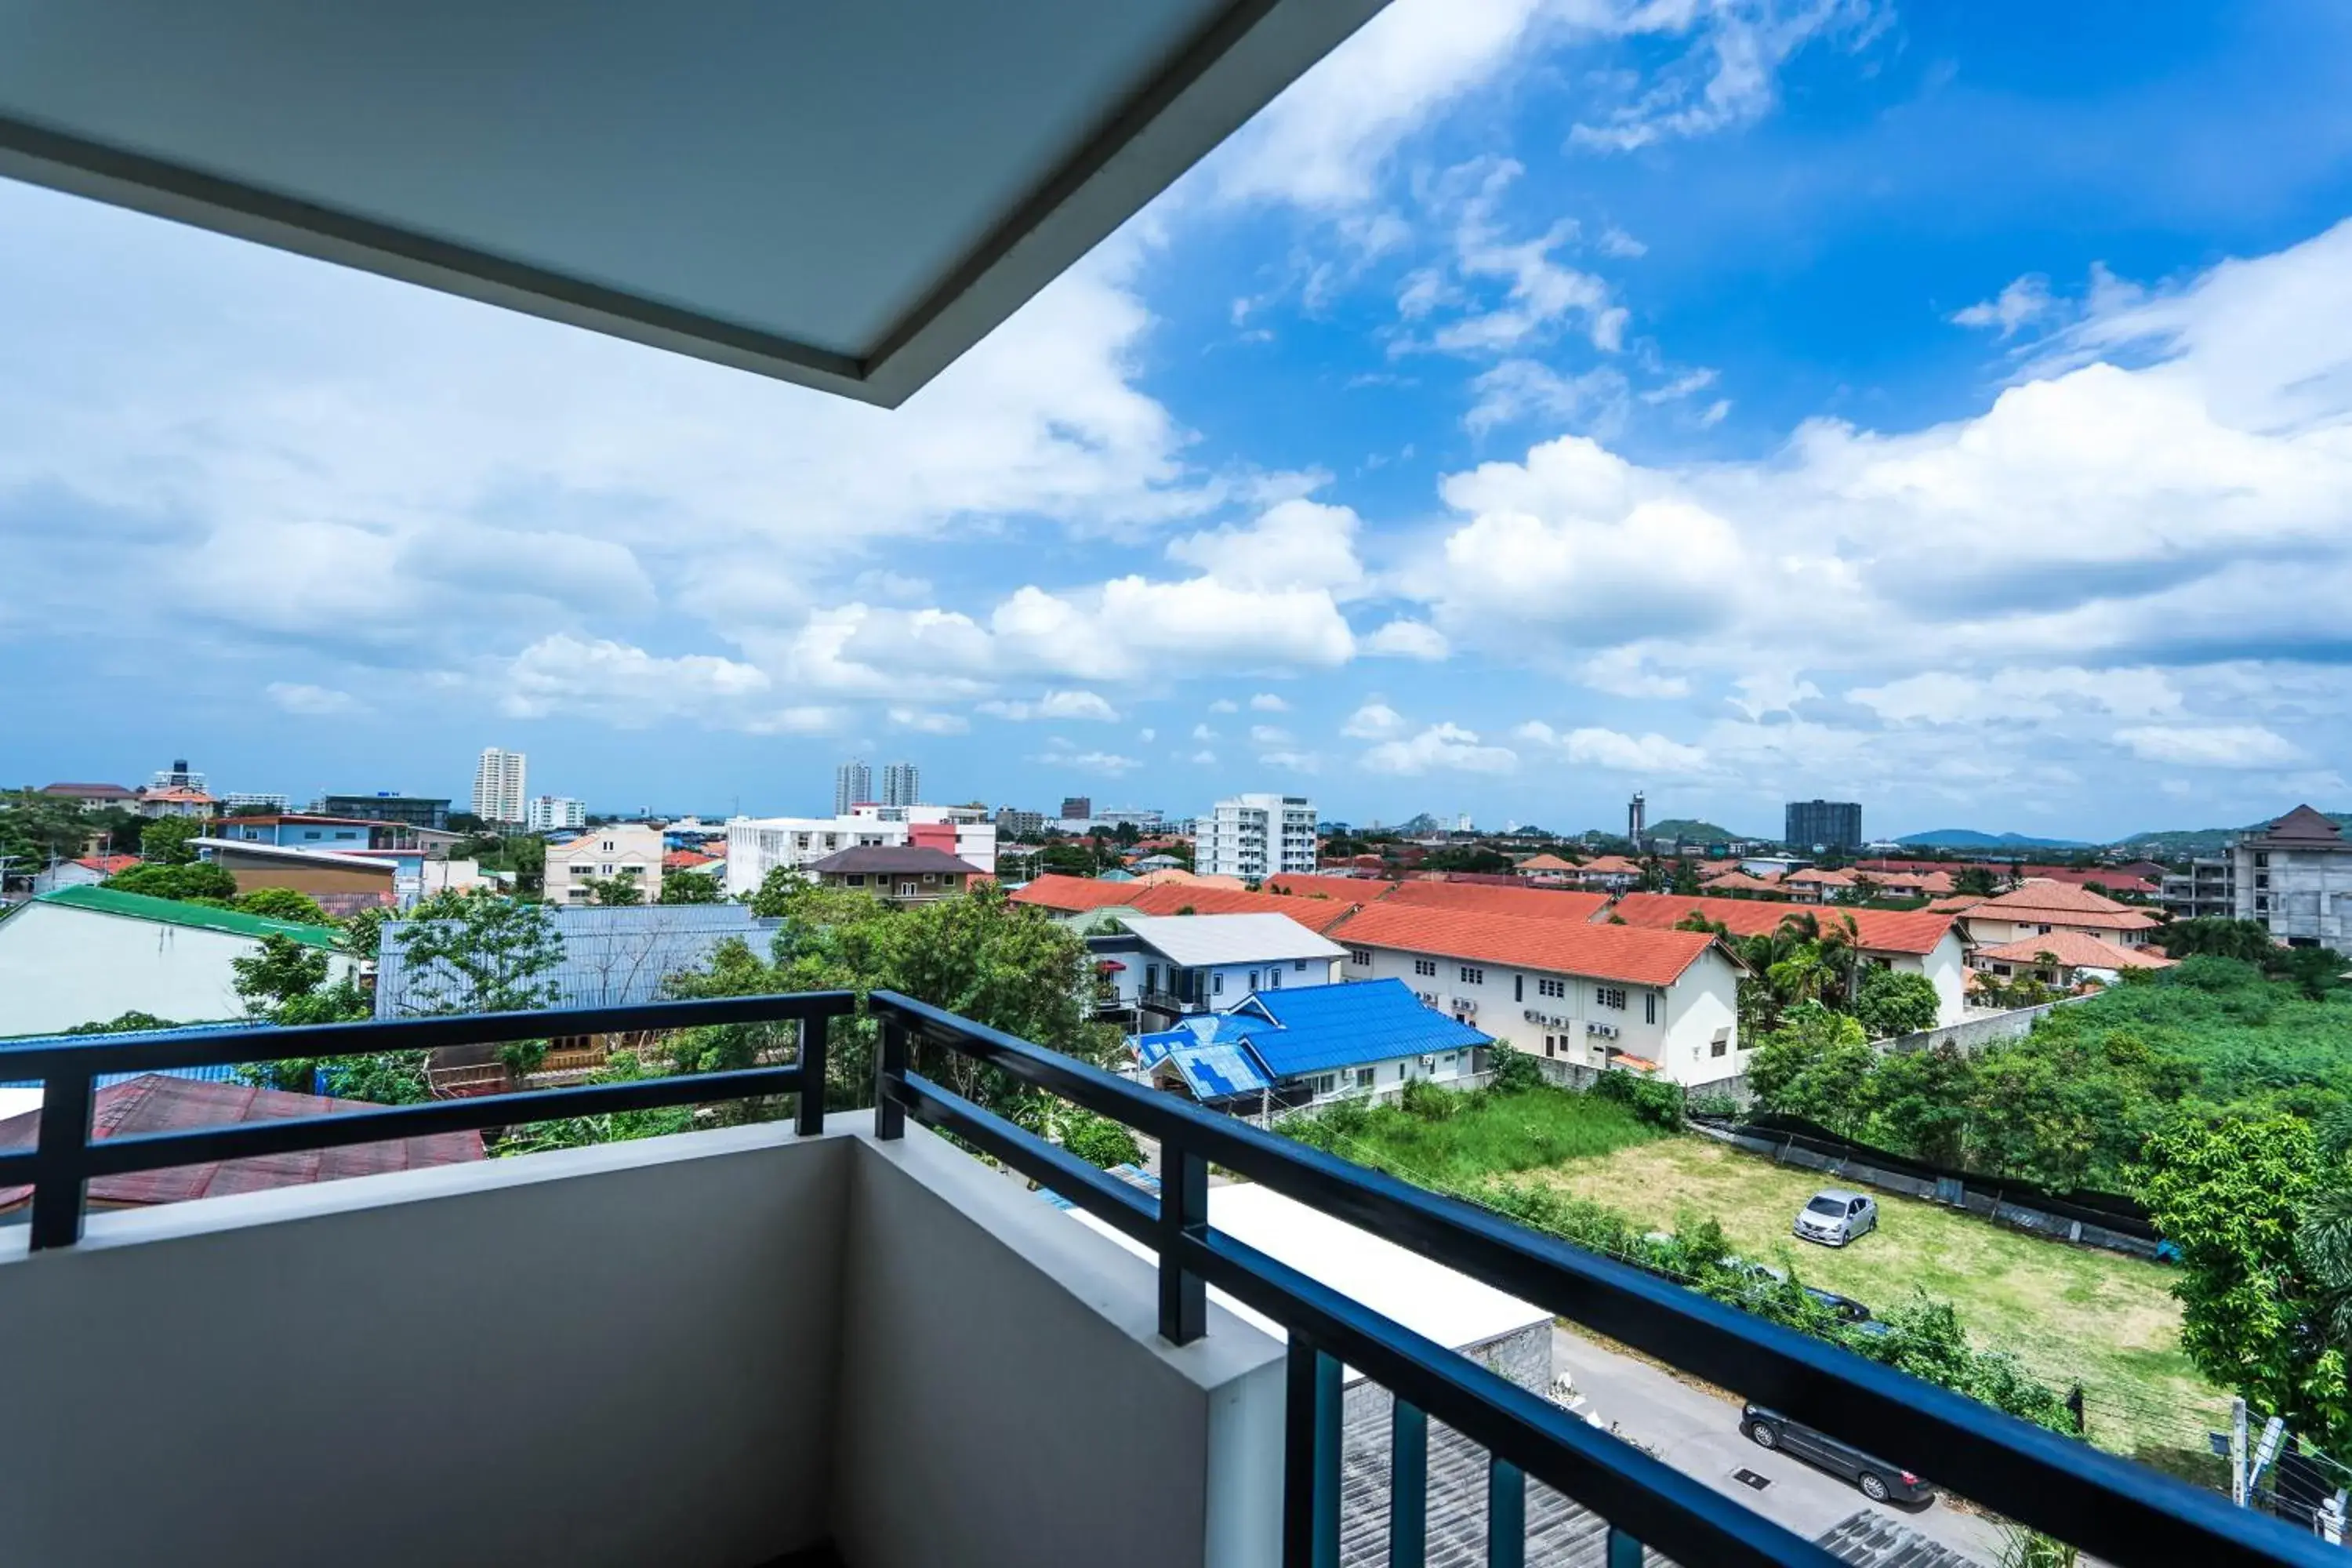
(1471, 433)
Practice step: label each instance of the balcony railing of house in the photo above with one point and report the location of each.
(2125, 1514)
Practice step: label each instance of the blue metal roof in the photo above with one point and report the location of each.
(1208, 1052)
(614, 957)
(1319, 1028)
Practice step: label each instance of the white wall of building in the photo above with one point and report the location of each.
(620, 849)
(1257, 836)
(62, 967)
(500, 780)
(555, 813)
(1947, 967)
(759, 844)
(1677, 1026)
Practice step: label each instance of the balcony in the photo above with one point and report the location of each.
(842, 1338)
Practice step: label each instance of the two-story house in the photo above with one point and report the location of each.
(898, 874)
(1593, 995)
(629, 850)
(2044, 908)
(1171, 966)
(1917, 942)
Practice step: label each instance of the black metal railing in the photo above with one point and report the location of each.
(2122, 1512)
(62, 1162)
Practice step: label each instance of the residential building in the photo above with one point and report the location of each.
(252, 800)
(2295, 877)
(853, 785)
(177, 801)
(342, 883)
(1144, 818)
(1820, 825)
(1284, 1047)
(2067, 960)
(1546, 865)
(2207, 890)
(1814, 886)
(1177, 965)
(1014, 823)
(1173, 893)
(389, 805)
(898, 874)
(901, 783)
(1607, 874)
(179, 776)
(555, 813)
(759, 844)
(85, 871)
(1913, 942)
(1591, 996)
(611, 956)
(2039, 909)
(93, 796)
(629, 850)
(304, 831)
(84, 955)
(1257, 835)
(498, 785)
(1080, 807)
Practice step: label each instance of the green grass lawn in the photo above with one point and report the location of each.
(1489, 1134)
(2067, 1313)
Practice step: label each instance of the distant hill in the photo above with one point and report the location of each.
(1690, 831)
(2179, 843)
(1970, 838)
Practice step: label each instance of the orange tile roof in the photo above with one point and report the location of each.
(1314, 914)
(1814, 877)
(1071, 894)
(1719, 869)
(1354, 889)
(108, 864)
(1630, 953)
(2058, 903)
(1742, 881)
(1485, 898)
(1545, 863)
(2076, 950)
(1956, 902)
(1876, 931)
(1609, 866)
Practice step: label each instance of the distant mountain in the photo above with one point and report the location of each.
(2179, 843)
(1690, 830)
(1970, 838)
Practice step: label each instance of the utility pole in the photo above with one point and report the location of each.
(2238, 1452)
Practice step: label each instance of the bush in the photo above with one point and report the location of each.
(1425, 1100)
(1714, 1103)
(1514, 1070)
(281, 904)
(1097, 1140)
(1657, 1100)
(198, 880)
(1896, 1002)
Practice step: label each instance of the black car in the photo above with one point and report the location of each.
(1879, 1481)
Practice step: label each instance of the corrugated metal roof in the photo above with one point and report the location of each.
(1195, 940)
(171, 911)
(1209, 1051)
(611, 957)
(1320, 1028)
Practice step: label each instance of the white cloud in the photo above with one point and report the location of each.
(1615, 242)
(1627, 671)
(1268, 702)
(626, 686)
(1147, 736)
(928, 721)
(1203, 733)
(2019, 695)
(1406, 639)
(1224, 705)
(313, 701)
(1681, 386)
(2211, 746)
(1728, 78)
(1447, 748)
(2023, 303)
(1293, 762)
(1204, 759)
(1591, 747)
(1109, 763)
(1519, 390)
(1375, 721)
(1269, 735)
(1539, 294)
(1293, 544)
(1053, 705)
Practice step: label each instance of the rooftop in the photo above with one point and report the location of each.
(2302, 829)
(1197, 940)
(1473, 898)
(2056, 903)
(173, 913)
(1316, 1028)
(352, 859)
(1875, 931)
(1627, 953)
(891, 860)
(615, 956)
(2076, 950)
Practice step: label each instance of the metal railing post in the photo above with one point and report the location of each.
(889, 1079)
(1183, 1210)
(61, 1179)
(1408, 1485)
(1310, 1458)
(808, 1119)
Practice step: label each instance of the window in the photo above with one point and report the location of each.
(1473, 976)
(907, 889)
(2043, 929)
(1300, 966)
(2262, 878)
(1274, 980)
(1609, 997)
(2262, 858)
(608, 847)
(308, 833)
(1324, 1083)
(1217, 983)
(1551, 988)
(1252, 985)
(1152, 977)
(1400, 1072)
(1519, 988)
(1716, 1049)
(1551, 1044)
(1649, 1006)
(855, 880)
(931, 876)
(1360, 956)
(1426, 967)
(1364, 1078)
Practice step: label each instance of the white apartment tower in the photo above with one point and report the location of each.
(1257, 836)
(499, 786)
(853, 784)
(555, 813)
(901, 784)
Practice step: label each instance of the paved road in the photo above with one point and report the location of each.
(1699, 1436)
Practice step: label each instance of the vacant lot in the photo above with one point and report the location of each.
(2068, 1313)
(1486, 1134)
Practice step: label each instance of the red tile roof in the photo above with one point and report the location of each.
(1630, 953)
(686, 859)
(1609, 866)
(1741, 881)
(1875, 931)
(1531, 903)
(2076, 950)
(1544, 863)
(2056, 903)
(1814, 877)
(108, 865)
(1069, 895)
(1354, 889)
(1314, 914)
(154, 1102)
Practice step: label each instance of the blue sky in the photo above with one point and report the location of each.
(1946, 408)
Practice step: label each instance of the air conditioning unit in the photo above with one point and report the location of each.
(1429, 1063)
(1606, 1031)
(1465, 1004)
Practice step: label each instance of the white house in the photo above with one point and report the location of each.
(1175, 964)
(624, 849)
(1915, 941)
(2042, 909)
(759, 844)
(1593, 995)
(86, 955)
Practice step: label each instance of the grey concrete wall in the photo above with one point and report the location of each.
(1011, 1401)
(1975, 1034)
(617, 1355)
(1523, 1357)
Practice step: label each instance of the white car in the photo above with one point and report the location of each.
(1836, 1216)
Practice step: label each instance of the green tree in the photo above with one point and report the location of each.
(185, 881)
(1817, 1065)
(615, 892)
(691, 888)
(476, 952)
(2246, 941)
(1978, 881)
(1515, 1072)
(1892, 1002)
(168, 840)
(131, 1023)
(283, 970)
(2232, 1194)
(1075, 858)
(1683, 881)
(282, 904)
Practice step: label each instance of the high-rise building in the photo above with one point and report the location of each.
(1637, 819)
(555, 813)
(498, 785)
(853, 784)
(1257, 836)
(1822, 824)
(1077, 806)
(901, 783)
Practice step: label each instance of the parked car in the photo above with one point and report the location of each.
(1878, 1480)
(1836, 1216)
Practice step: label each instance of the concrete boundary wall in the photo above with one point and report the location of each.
(1976, 1034)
